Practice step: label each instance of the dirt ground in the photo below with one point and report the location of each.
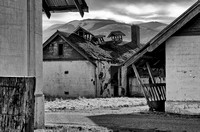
(126, 118)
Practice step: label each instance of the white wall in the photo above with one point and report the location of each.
(78, 82)
(21, 45)
(13, 38)
(183, 68)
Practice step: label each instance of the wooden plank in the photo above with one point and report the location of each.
(156, 92)
(17, 104)
(150, 73)
(151, 93)
(46, 8)
(139, 80)
(153, 81)
(159, 92)
(162, 93)
(79, 7)
(148, 94)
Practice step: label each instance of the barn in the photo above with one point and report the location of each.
(74, 67)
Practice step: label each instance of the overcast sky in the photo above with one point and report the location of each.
(127, 11)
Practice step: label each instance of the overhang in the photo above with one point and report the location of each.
(50, 6)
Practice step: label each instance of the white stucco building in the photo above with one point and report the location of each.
(74, 67)
(176, 50)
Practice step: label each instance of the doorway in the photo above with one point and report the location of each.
(114, 80)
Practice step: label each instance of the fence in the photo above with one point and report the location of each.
(155, 95)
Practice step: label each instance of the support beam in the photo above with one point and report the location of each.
(150, 73)
(153, 80)
(46, 9)
(79, 7)
(124, 78)
(139, 79)
(137, 74)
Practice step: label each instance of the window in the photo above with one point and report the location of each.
(60, 49)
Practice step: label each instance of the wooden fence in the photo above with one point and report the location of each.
(17, 104)
(155, 92)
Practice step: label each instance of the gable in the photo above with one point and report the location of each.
(187, 23)
(191, 28)
(51, 51)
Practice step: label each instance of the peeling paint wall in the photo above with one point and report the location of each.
(103, 74)
(183, 68)
(69, 79)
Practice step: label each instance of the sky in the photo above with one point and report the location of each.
(127, 11)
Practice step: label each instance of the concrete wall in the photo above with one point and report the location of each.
(183, 68)
(21, 45)
(69, 78)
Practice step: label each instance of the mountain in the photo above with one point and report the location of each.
(100, 26)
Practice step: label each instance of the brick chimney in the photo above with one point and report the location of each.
(135, 36)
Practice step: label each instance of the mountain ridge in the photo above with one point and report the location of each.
(104, 27)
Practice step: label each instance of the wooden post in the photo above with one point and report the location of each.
(153, 80)
(124, 78)
(139, 80)
(150, 73)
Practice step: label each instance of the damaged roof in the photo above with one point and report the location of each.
(79, 28)
(99, 36)
(88, 50)
(116, 33)
(49, 6)
(120, 51)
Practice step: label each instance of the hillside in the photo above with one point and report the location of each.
(99, 26)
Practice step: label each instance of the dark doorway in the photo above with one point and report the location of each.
(114, 80)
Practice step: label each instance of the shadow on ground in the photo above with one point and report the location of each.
(148, 122)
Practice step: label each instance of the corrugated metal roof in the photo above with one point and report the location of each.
(64, 6)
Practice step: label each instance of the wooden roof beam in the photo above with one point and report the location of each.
(79, 7)
(46, 9)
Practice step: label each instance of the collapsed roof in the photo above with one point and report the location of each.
(88, 50)
(116, 33)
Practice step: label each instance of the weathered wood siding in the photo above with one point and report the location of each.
(17, 104)
(50, 52)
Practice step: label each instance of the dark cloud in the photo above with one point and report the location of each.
(161, 14)
(127, 11)
(102, 4)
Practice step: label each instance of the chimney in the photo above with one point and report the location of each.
(135, 36)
